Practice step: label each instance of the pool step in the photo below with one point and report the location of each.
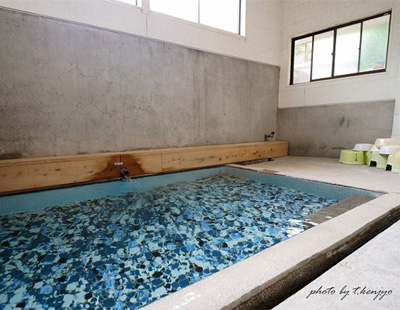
(337, 209)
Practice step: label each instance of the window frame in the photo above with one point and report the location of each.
(334, 29)
(241, 27)
(137, 4)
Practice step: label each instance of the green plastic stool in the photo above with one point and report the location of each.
(367, 157)
(378, 160)
(392, 164)
(350, 157)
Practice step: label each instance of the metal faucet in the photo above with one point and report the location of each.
(125, 174)
(271, 135)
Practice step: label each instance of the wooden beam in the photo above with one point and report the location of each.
(197, 157)
(33, 173)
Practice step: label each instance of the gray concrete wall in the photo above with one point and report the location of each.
(323, 131)
(67, 88)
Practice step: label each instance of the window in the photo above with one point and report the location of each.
(355, 48)
(321, 64)
(222, 14)
(133, 2)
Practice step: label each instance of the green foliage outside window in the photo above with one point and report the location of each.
(373, 51)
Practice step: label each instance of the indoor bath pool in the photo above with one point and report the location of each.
(123, 245)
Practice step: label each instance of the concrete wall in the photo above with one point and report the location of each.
(270, 25)
(306, 16)
(322, 131)
(67, 88)
(261, 41)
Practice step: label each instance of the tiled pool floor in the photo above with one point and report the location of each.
(125, 252)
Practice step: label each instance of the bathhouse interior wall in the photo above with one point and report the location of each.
(321, 118)
(213, 87)
(69, 88)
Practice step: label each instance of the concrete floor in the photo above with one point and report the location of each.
(369, 278)
(329, 170)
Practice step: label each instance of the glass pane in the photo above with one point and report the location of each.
(185, 9)
(302, 60)
(221, 14)
(347, 49)
(375, 35)
(322, 58)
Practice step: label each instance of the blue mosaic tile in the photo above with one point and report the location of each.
(126, 251)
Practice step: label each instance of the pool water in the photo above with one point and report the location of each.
(126, 251)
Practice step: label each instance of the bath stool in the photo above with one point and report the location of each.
(393, 162)
(378, 160)
(351, 157)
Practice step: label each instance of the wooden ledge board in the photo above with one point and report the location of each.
(33, 173)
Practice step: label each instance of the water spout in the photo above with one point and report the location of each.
(125, 174)
(271, 135)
